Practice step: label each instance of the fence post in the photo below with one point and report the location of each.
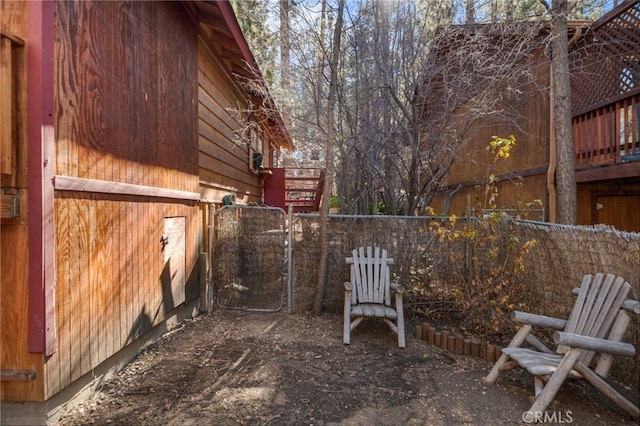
(212, 238)
(290, 261)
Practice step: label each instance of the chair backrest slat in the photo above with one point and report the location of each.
(370, 275)
(599, 300)
(360, 274)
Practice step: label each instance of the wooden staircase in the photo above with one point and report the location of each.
(301, 188)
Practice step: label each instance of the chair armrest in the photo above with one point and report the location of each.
(348, 286)
(593, 344)
(397, 288)
(538, 320)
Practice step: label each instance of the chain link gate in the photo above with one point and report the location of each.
(249, 255)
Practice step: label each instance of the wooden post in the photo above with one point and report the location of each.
(425, 331)
(491, 353)
(451, 344)
(431, 332)
(475, 347)
(419, 332)
(467, 347)
(202, 282)
(436, 338)
(459, 345)
(498, 352)
(211, 240)
(290, 260)
(444, 339)
(6, 129)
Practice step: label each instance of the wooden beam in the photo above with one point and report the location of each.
(6, 106)
(17, 375)
(9, 206)
(506, 176)
(538, 320)
(41, 148)
(14, 38)
(616, 171)
(68, 183)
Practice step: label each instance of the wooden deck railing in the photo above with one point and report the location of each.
(301, 188)
(304, 188)
(608, 135)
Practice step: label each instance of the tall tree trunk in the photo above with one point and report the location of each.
(331, 102)
(321, 61)
(285, 53)
(470, 6)
(565, 169)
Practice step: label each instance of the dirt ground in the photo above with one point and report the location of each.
(237, 368)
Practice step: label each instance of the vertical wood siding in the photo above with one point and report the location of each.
(530, 111)
(126, 97)
(126, 111)
(529, 157)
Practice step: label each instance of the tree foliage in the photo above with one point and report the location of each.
(398, 129)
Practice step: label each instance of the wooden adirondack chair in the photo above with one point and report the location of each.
(595, 326)
(369, 292)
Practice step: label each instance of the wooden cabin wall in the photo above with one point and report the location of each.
(529, 158)
(530, 111)
(616, 203)
(14, 232)
(224, 162)
(512, 193)
(126, 93)
(111, 277)
(126, 108)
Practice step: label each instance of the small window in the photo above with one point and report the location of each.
(256, 156)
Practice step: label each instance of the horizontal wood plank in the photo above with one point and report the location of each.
(68, 183)
(9, 206)
(17, 375)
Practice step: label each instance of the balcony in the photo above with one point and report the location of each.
(608, 136)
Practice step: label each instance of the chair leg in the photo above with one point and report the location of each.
(538, 385)
(553, 385)
(400, 322)
(498, 367)
(606, 389)
(346, 333)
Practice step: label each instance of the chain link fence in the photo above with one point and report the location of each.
(250, 263)
(248, 268)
